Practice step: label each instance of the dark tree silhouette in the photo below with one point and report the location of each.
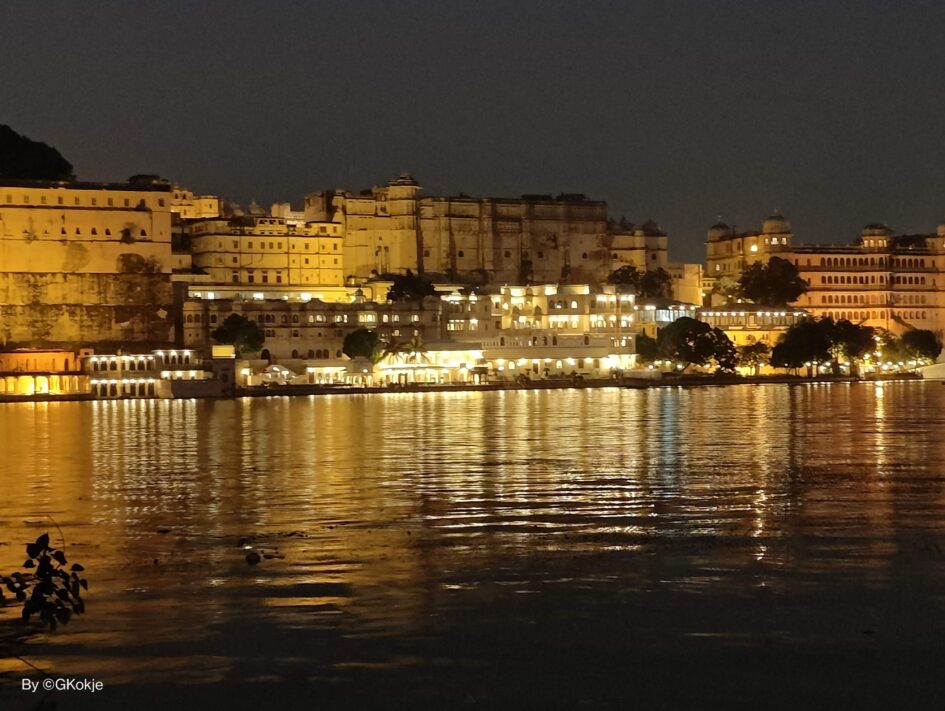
(627, 275)
(25, 159)
(655, 284)
(754, 355)
(804, 342)
(239, 331)
(693, 342)
(647, 349)
(364, 344)
(410, 287)
(921, 344)
(776, 283)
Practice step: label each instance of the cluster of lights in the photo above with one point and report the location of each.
(133, 381)
(744, 313)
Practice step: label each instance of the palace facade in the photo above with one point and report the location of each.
(882, 279)
(85, 262)
(536, 238)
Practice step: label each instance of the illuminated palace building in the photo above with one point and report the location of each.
(535, 238)
(85, 262)
(884, 280)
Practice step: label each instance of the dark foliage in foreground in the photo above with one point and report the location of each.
(52, 591)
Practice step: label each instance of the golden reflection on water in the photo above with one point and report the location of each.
(381, 513)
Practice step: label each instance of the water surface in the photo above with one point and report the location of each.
(765, 545)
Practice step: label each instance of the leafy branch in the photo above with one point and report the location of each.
(53, 592)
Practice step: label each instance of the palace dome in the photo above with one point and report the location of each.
(775, 224)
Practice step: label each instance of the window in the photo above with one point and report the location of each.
(460, 253)
(236, 277)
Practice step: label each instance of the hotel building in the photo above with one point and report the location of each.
(883, 280)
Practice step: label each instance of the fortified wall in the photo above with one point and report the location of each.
(85, 263)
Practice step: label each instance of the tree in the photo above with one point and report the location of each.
(754, 355)
(724, 352)
(802, 344)
(821, 340)
(921, 345)
(627, 275)
(727, 288)
(241, 332)
(410, 287)
(646, 348)
(24, 159)
(850, 341)
(693, 342)
(656, 284)
(773, 284)
(364, 344)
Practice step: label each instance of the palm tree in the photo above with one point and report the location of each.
(415, 351)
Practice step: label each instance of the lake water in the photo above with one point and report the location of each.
(773, 546)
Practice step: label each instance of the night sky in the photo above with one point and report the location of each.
(680, 111)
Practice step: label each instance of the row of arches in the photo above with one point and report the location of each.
(906, 262)
(864, 315)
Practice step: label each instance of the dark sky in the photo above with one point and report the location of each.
(682, 111)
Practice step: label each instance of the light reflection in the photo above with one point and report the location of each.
(396, 507)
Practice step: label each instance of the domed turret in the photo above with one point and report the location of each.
(404, 179)
(775, 224)
(651, 229)
(876, 229)
(719, 231)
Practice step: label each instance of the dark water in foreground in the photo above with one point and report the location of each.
(747, 546)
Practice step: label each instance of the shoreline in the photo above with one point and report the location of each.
(686, 381)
